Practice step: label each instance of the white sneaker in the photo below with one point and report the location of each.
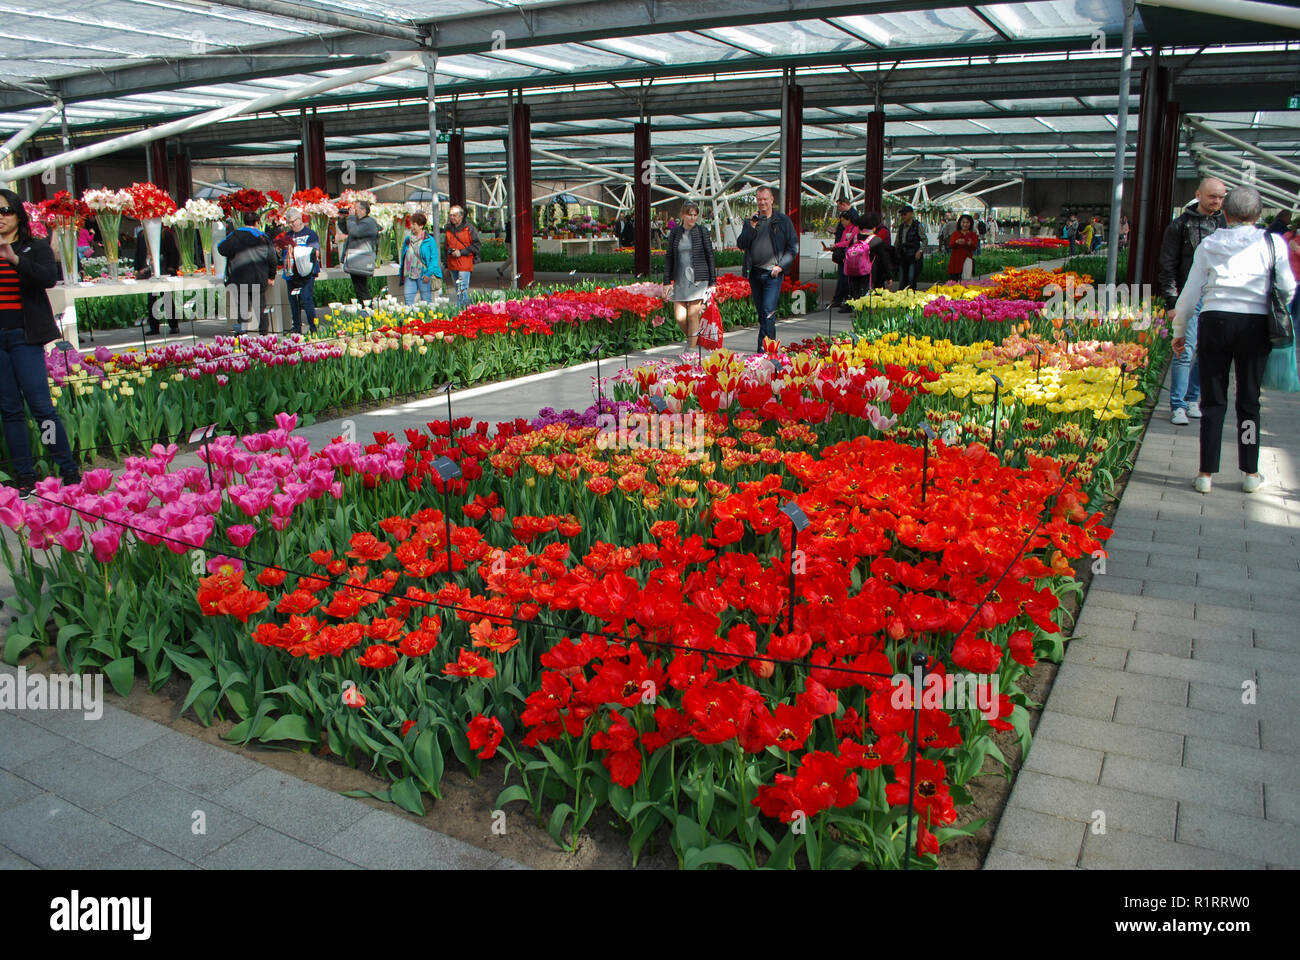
(1202, 484)
(1252, 482)
(1179, 419)
(1193, 409)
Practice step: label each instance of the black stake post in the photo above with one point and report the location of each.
(997, 386)
(447, 390)
(600, 390)
(925, 457)
(1038, 361)
(798, 521)
(448, 470)
(205, 434)
(918, 663)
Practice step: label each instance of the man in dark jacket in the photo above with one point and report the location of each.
(251, 264)
(1198, 220)
(770, 244)
(909, 241)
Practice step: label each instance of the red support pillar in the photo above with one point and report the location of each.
(456, 170)
(792, 153)
(35, 185)
(300, 168)
(641, 199)
(1147, 230)
(184, 176)
(873, 184)
(158, 151)
(315, 152)
(521, 218)
(1162, 193)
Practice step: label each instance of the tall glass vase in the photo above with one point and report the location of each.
(218, 261)
(321, 224)
(204, 228)
(110, 228)
(185, 236)
(153, 237)
(66, 243)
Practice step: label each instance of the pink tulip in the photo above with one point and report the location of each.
(221, 560)
(71, 540)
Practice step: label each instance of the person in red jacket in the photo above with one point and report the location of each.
(962, 242)
(462, 250)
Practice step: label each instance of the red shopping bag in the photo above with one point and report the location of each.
(711, 326)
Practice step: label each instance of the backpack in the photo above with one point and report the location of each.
(857, 259)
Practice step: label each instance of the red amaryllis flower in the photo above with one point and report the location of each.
(485, 735)
(378, 657)
(470, 665)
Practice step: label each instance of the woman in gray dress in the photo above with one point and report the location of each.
(689, 267)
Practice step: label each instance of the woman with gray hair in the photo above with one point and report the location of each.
(359, 234)
(1231, 276)
(690, 268)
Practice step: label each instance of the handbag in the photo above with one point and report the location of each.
(710, 335)
(1280, 332)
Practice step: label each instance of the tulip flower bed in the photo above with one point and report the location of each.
(116, 402)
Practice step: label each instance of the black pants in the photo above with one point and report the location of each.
(1224, 340)
(842, 285)
(909, 272)
(859, 286)
(360, 286)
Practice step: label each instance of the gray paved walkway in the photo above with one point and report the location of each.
(123, 792)
(1146, 722)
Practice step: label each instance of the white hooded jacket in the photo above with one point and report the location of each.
(1230, 273)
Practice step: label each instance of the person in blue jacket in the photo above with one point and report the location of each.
(419, 261)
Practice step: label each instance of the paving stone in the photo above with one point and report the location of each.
(1279, 604)
(1009, 860)
(1225, 759)
(15, 790)
(1131, 586)
(1078, 650)
(262, 848)
(90, 780)
(11, 861)
(1186, 533)
(1141, 712)
(1262, 660)
(1280, 734)
(1097, 616)
(382, 840)
(1063, 759)
(1051, 838)
(1160, 689)
(114, 734)
(1111, 737)
(163, 815)
(1152, 642)
(1119, 601)
(1195, 629)
(1183, 783)
(1121, 850)
(293, 807)
(55, 834)
(193, 765)
(1123, 809)
(1082, 701)
(1149, 547)
(1281, 804)
(1266, 841)
(1277, 597)
(1201, 671)
(21, 740)
(1271, 700)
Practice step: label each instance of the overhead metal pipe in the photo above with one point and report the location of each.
(1121, 143)
(1270, 13)
(22, 136)
(1232, 161)
(397, 61)
(1242, 144)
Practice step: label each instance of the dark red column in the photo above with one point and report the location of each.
(456, 170)
(641, 199)
(1162, 194)
(873, 184)
(184, 176)
(315, 151)
(300, 168)
(158, 151)
(792, 154)
(521, 218)
(35, 185)
(1147, 230)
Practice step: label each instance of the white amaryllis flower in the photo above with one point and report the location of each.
(114, 201)
(181, 218)
(383, 214)
(352, 196)
(200, 211)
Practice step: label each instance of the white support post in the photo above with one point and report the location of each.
(430, 69)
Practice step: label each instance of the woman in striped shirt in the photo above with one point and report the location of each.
(27, 270)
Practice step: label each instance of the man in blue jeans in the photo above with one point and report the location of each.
(770, 244)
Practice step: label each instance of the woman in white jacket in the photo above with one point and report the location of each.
(1230, 277)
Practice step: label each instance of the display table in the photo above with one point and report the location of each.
(577, 246)
(211, 303)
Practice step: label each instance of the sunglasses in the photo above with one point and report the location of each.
(8, 212)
